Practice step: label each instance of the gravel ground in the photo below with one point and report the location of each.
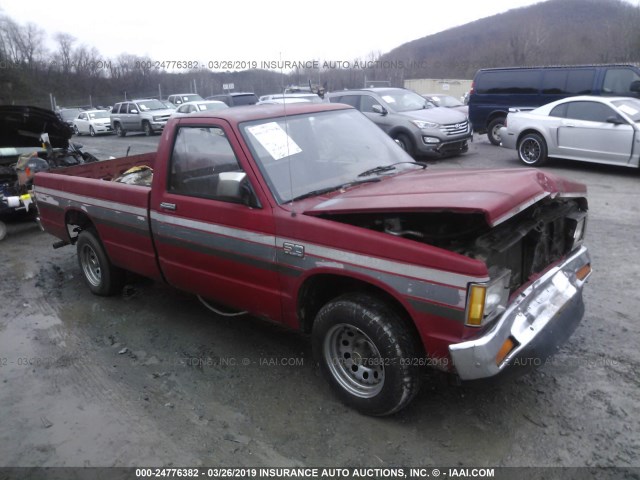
(152, 378)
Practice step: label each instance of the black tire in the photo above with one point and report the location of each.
(119, 130)
(405, 143)
(365, 348)
(100, 275)
(532, 150)
(493, 128)
(146, 126)
(92, 132)
(75, 130)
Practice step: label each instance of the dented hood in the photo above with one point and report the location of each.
(498, 194)
(21, 126)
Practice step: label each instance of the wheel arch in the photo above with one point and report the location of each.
(320, 288)
(529, 130)
(78, 219)
(495, 114)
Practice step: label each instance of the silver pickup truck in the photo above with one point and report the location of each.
(148, 116)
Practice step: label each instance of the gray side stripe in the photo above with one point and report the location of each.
(46, 194)
(331, 254)
(116, 218)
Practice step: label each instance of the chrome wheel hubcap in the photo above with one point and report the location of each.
(91, 265)
(354, 360)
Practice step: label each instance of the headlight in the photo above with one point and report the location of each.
(157, 119)
(485, 301)
(576, 225)
(422, 125)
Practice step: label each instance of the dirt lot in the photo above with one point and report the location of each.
(152, 378)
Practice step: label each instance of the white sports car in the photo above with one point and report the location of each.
(586, 128)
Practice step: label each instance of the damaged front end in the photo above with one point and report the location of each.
(537, 267)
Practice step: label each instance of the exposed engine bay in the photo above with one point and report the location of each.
(525, 244)
(32, 140)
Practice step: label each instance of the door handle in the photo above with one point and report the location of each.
(168, 206)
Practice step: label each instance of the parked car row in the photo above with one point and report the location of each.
(495, 90)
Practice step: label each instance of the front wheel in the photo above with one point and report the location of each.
(405, 143)
(119, 130)
(493, 130)
(101, 276)
(148, 131)
(92, 132)
(365, 349)
(75, 130)
(532, 149)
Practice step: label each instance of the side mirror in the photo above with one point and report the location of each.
(379, 109)
(234, 187)
(635, 86)
(134, 111)
(615, 120)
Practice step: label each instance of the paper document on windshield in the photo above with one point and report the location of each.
(628, 110)
(275, 140)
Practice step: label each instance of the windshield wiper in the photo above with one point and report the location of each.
(320, 191)
(386, 168)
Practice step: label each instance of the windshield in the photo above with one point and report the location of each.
(630, 107)
(320, 150)
(191, 98)
(151, 105)
(446, 101)
(70, 113)
(94, 115)
(403, 100)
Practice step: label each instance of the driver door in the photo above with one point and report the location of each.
(214, 236)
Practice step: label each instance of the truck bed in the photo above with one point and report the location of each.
(118, 211)
(109, 169)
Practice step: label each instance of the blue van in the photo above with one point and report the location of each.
(495, 90)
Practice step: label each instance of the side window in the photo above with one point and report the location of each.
(554, 82)
(367, 102)
(580, 82)
(203, 165)
(559, 111)
(352, 100)
(132, 108)
(617, 81)
(510, 81)
(116, 108)
(589, 111)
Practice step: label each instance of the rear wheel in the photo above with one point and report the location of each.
(493, 130)
(365, 349)
(75, 130)
(532, 149)
(101, 276)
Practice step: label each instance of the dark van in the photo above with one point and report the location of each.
(495, 90)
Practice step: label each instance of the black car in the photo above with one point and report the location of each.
(236, 99)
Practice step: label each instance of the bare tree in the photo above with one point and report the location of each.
(65, 49)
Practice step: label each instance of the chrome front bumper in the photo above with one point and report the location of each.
(540, 319)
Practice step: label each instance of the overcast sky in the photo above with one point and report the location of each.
(248, 30)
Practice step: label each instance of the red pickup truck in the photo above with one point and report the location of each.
(309, 215)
